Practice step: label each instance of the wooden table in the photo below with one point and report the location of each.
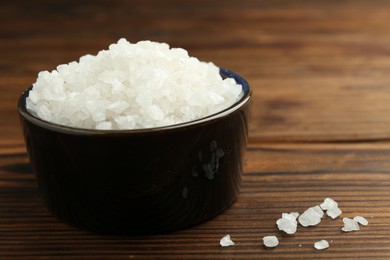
(320, 73)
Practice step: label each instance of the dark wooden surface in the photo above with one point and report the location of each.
(320, 72)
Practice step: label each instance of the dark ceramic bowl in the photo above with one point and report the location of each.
(140, 181)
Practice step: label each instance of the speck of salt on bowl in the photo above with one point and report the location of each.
(131, 86)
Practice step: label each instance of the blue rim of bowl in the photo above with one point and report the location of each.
(85, 131)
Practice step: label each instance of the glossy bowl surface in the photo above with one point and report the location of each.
(139, 181)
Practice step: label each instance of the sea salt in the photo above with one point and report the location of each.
(311, 217)
(328, 204)
(131, 86)
(226, 241)
(331, 207)
(288, 222)
(270, 241)
(322, 244)
(361, 220)
(334, 212)
(350, 225)
(318, 210)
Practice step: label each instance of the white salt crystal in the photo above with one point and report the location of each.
(288, 222)
(328, 204)
(226, 241)
(290, 216)
(147, 81)
(334, 212)
(361, 220)
(287, 226)
(118, 106)
(104, 126)
(44, 112)
(350, 225)
(311, 217)
(331, 207)
(128, 122)
(294, 214)
(270, 241)
(322, 244)
(33, 97)
(318, 210)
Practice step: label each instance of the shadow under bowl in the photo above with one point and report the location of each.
(139, 181)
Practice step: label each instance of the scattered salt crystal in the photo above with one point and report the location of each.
(288, 222)
(350, 225)
(226, 241)
(294, 214)
(270, 241)
(334, 212)
(318, 210)
(331, 207)
(361, 220)
(322, 244)
(131, 86)
(290, 216)
(328, 204)
(311, 217)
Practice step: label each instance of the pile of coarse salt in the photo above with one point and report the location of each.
(131, 86)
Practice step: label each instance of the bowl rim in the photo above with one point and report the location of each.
(247, 95)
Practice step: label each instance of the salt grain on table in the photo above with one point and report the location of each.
(361, 220)
(270, 241)
(288, 222)
(334, 212)
(331, 207)
(226, 241)
(350, 225)
(311, 217)
(328, 204)
(322, 244)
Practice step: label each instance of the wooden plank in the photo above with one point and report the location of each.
(278, 178)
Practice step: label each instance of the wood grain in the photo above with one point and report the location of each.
(279, 178)
(320, 126)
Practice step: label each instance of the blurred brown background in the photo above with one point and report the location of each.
(335, 52)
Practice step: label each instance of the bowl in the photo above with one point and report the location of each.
(139, 181)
